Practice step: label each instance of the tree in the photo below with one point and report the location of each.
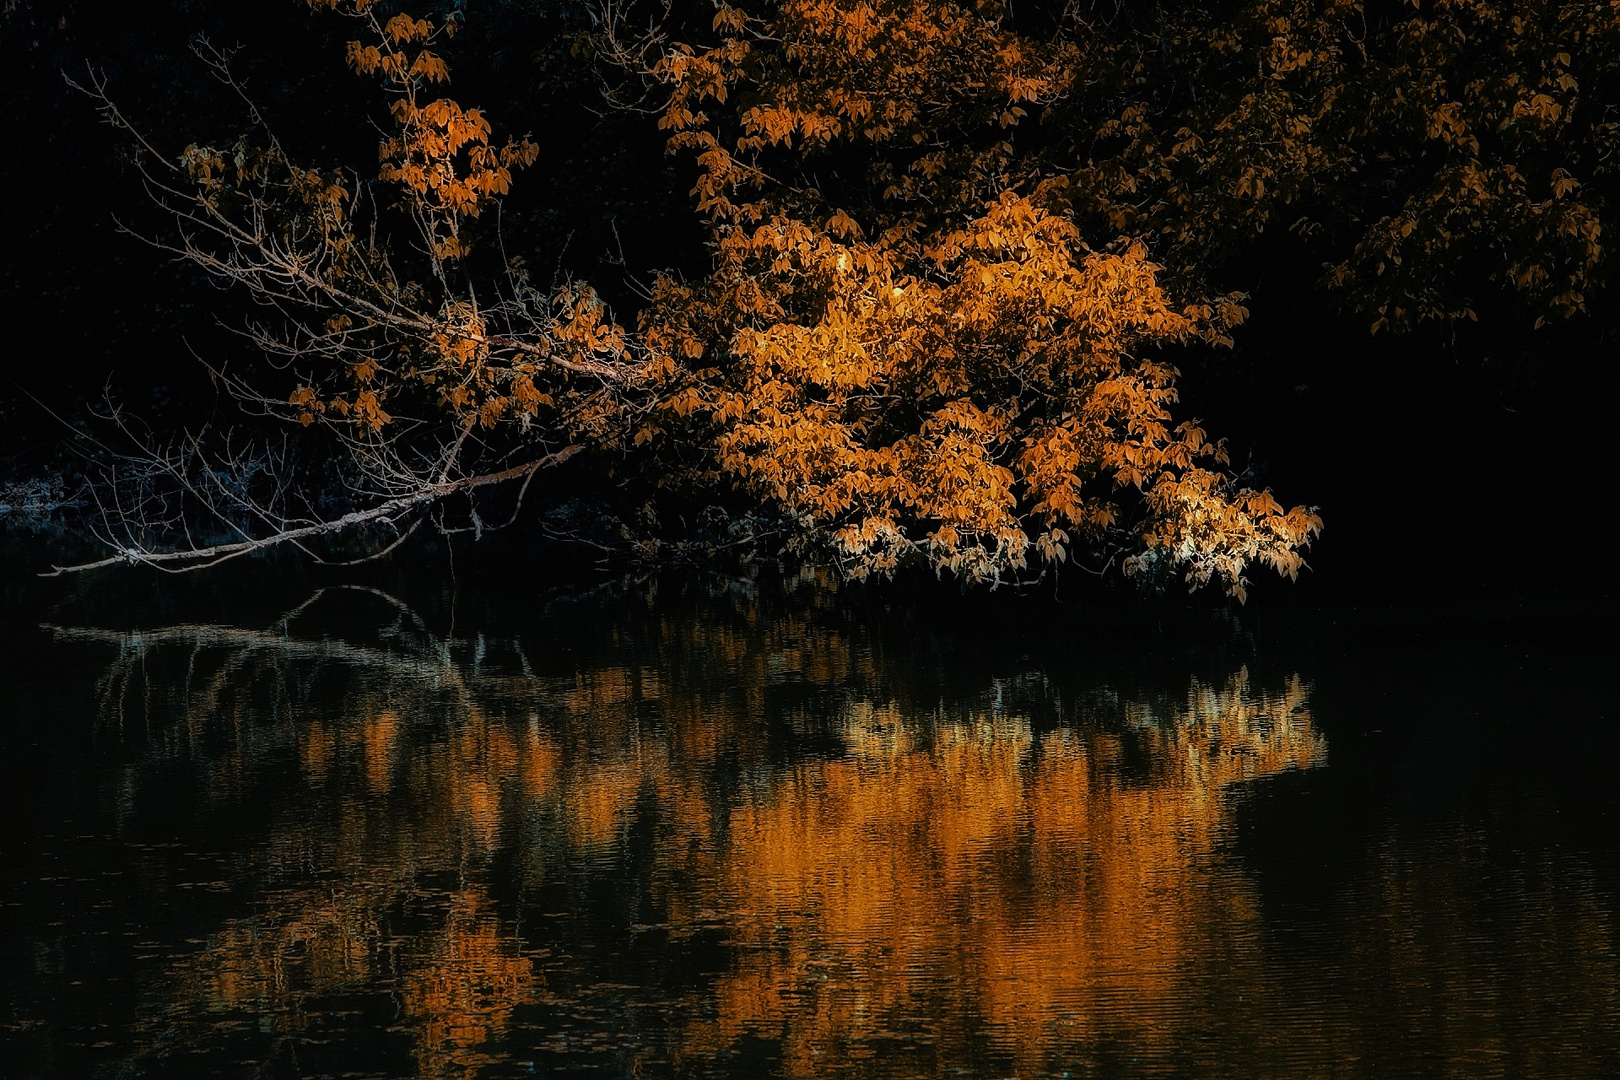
(928, 359)
(904, 349)
(425, 387)
(1438, 159)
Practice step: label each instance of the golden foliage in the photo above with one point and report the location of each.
(945, 371)
(361, 333)
(933, 89)
(447, 171)
(952, 259)
(1440, 149)
(950, 373)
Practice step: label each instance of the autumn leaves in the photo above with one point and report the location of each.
(946, 372)
(967, 412)
(930, 366)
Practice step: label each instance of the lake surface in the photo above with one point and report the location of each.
(705, 827)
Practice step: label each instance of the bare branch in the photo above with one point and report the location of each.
(425, 388)
(200, 557)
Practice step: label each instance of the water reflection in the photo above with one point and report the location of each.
(966, 868)
(739, 838)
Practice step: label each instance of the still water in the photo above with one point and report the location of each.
(707, 827)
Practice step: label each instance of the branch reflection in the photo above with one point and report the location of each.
(710, 831)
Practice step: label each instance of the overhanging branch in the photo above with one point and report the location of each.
(388, 511)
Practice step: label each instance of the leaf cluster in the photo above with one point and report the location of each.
(939, 367)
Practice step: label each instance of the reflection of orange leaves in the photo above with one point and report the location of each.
(461, 995)
(599, 801)
(855, 871)
(324, 944)
(486, 759)
(315, 749)
(540, 763)
(380, 737)
(941, 839)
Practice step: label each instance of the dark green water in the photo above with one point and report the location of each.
(714, 829)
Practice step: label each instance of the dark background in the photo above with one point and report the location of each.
(1449, 465)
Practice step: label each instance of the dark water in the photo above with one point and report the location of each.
(707, 828)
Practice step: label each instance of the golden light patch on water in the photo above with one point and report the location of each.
(935, 870)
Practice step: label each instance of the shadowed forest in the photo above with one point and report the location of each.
(1219, 296)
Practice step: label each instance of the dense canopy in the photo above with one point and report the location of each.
(951, 261)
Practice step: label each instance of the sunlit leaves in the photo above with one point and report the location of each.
(440, 154)
(947, 373)
(960, 412)
(925, 361)
(373, 331)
